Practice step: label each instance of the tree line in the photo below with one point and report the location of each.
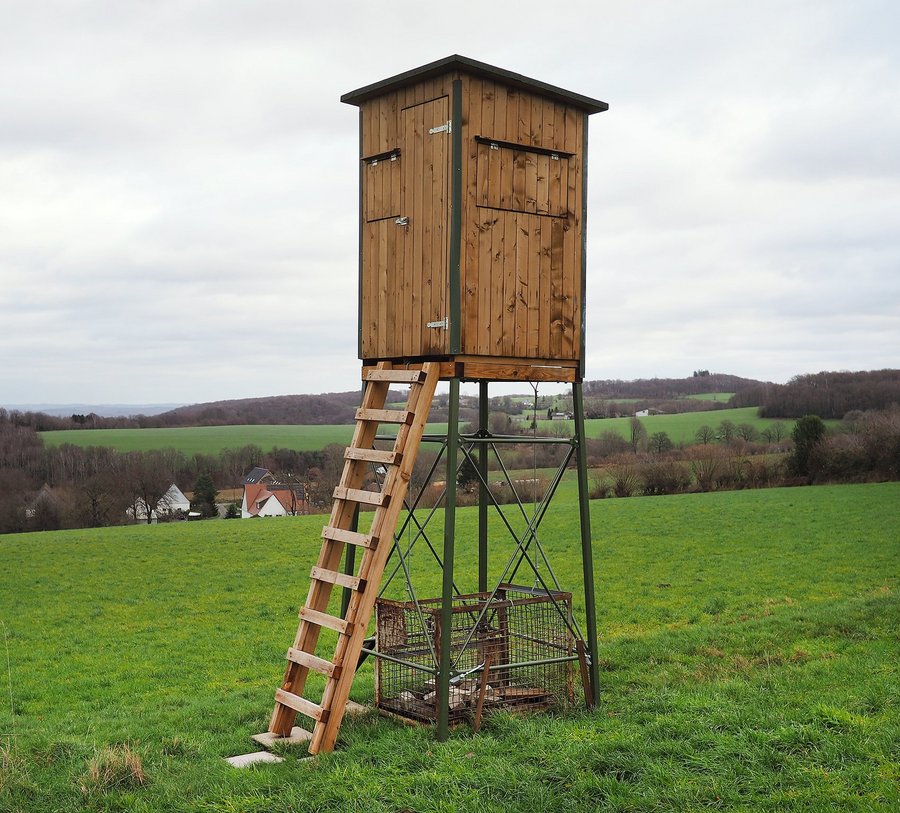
(826, 394)
(668, 388)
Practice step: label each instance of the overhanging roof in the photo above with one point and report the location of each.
(472, 66)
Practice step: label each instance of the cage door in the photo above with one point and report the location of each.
(424, 203)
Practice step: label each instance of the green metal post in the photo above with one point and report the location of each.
(443, 687)
(349, 565)
(587, 556)
(482, 489)
(350, 550)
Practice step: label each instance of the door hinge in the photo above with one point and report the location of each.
(441, 323)
(443, 128)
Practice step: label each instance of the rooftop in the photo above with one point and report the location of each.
(464, 64)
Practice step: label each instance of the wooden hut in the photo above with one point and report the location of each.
(472, 221)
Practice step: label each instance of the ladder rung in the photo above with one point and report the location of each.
(350, 537)
(373, 456)
(384, 415)
(358, 495)
(334, 577)
(301, 704)
(325, 620)
(396, 376)
(310, 661)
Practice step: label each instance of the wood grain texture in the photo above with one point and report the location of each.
(521, 223)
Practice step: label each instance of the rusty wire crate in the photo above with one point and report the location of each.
(524, 632)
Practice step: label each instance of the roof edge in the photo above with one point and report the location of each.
(472, 66)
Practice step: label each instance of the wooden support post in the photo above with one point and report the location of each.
(585, 675)
(483, 499)
(446, 652)
(587, 556)
(482, 692)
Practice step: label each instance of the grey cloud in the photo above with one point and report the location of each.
(179, 181)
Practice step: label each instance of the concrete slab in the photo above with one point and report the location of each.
(298, 736)
(355, 709)
(246, 760)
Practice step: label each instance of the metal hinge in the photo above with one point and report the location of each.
(443, 128)
(441, 323)
(402, 221)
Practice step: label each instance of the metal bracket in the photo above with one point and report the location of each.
(443, 128)
(402, 221)
(441, 323)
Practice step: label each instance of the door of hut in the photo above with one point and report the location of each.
(424, 201)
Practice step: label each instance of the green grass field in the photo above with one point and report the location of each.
(681, 428)
(724, 397)
(749, 662)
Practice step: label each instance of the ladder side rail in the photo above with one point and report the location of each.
(362, 603)
(319, 594)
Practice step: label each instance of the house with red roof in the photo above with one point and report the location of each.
(264, 496)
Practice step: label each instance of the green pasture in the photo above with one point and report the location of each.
(749, 661)
(724, 397)
(206, 439)
(681, 428)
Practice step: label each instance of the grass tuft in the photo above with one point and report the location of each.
(114, 768)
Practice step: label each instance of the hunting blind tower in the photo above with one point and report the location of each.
(473, 195)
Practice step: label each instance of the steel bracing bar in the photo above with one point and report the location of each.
(523, 551)
(490, 439)
(496, 666)
(420, 667)
(421, 529)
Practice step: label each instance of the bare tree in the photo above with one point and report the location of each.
(705, 434)
(147, 478)
(638, 435)
(727, 432)
(660, 442)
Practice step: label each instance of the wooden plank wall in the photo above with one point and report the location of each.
(521, 270)
(405, 270)
(520, 263)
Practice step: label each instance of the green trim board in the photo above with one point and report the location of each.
(361, 220)
(584, 211)
(455, 297)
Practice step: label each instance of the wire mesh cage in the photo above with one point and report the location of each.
(513, 648)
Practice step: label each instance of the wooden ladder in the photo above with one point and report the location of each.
(376, 546)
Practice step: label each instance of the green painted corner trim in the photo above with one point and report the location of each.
(361, 218)
(455, 307)
(584, 212)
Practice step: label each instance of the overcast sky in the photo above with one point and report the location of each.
(178, 185)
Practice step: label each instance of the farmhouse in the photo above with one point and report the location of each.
(264, 496)
(45, 499)
(173, 501)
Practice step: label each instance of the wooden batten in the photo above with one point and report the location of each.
(472, 209)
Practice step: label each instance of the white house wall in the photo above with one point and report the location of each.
(272, 508)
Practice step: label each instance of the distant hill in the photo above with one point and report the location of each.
(102, 410)
(328, 408)
(826, 394)
(670, 388)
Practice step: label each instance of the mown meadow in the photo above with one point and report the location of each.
(681, 428)
(749, 661)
